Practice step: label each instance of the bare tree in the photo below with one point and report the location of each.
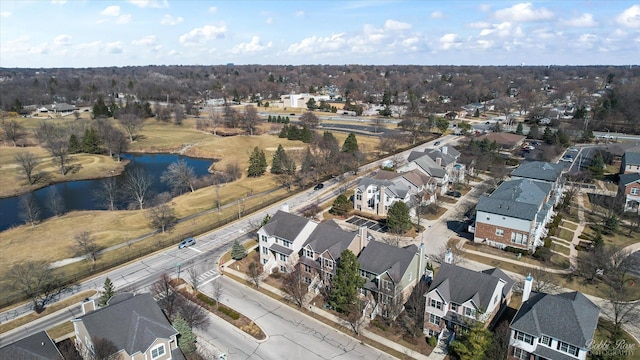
(194, 315)
(179, 175)
(393, 303)
(309, 119)
(413, 316)
(28, 162)
(450, 252)
(255, 273)
(162, 217)
(355, 317)
(193, 274)
(58, 146)
(178, 115)
(136, 186)
(108, 193)
(617, 276)
(294, 286)
(28, 209)
(12, 131)
(132, 124)
(85, 245)
(115, 141)
(167, 298)
(36, 281)
(250, 118)
(55, 202)
(215, 120)
(393, 239)
(542, 281)
(217, 291)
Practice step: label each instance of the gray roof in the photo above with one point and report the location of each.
(446, 159)
(632, 157)
(285, 226)
(495, 272)
(520, 198)
(378, 257)
(459, 285)
(450, 150)
(132, 325)
(626, 179)
(539, 170)
(328, 236)
(281, 249)
(429, 166)
(393, 188)
(38, 346)
(60, 107)
(507, 208)
(569, 317)
(548, 353)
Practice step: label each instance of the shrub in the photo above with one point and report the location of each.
(543, 254)
(515, 250)
(432, 341)
(512, 162)
(229, 312)
(207, 300)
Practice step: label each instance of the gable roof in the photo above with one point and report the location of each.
(416, 177)
(503, 138)
(429, 166)
(132, 324)
(285, 225)
(385, 175)
(38, 346)
(626, 179)
(539, 170)
(448, 149)
(507, 208)
(520, 198)
(459, 285)
(393, 188)
(328, 236)
(378, 257)
(445, 159)
(569, 317)
(495, 272)
(632, 157)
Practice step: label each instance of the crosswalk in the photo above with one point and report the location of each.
(207, 277)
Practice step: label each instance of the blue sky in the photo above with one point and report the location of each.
(119, 33)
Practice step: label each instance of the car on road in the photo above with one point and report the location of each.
(186, 243)
(455, 194)
(436, 143)
(318, 186)
(487, 123)
(535, 143)
(567, 158)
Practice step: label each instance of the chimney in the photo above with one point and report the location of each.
(363, 234)
(382, 202)
(526, 292)
(439, 161)
(88, 305)
(285, 207)
(444, 149)
(448, 257)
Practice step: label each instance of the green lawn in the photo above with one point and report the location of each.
(560, 248)
(568, 225)
(565, 234)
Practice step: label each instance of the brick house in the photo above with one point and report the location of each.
(629, 188)
(459, 297)
(135, 324)
(557, 327)
(543, 171)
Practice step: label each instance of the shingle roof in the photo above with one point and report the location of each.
(429, 166)
(446, 159)
(626, 179)
(569, 317)
(285, 225)
(495, 272)
(378, 257)
(328, 236)
(507, 208)
(632, 157)
(539, 170)
(503, 138)
(132, 325)
(459, 285)
(281, 249)
(416, 177)
(38, 346)
(523, 191)
(385, 175)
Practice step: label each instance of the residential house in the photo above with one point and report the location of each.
(135, 324)
(391, 272)
(543, 171)
(300, 100)
(557, 327)
(281, 240)
(425, 164)
(38, 346)
(58, 108)
(459, 297)
(515, 214)
(629, 187)
(630, 162)
(506, 141)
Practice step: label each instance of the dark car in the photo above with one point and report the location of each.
(436, 143)
(318, 187)
(186, 243)
(455, 194)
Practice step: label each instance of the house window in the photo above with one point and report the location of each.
(499, 232)
(454, 307)
(286, 243)
(436, 304)
(410, 276)
(545, 340)
(470, 312)
(431, 333)
(307, 268)
(307, 280)
(434, 319)
(283, 269)
(264, 238)
(264, 261)
(328, 263)
(363, 273)
(569, 349)
(283, 257)
(387, 285)
(635, 191)
(157, 351)
(358, 196)
(520, 354)
(524, 337)
(386, 299)
(308, 253)
(518, 238)
(265, 250)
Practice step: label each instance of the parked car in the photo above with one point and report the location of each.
(318, 186)
(536, 143)
(567, 158)
(436, 143)
(455, 194)
(186, 243)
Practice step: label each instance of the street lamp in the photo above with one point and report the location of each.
(179, 265)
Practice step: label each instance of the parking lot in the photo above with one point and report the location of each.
(372, 225)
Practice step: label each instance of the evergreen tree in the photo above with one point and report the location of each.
(350, 145)
(74, 144)
(281, 163)
(520, 129)
(284, 132)
(265, 220)
(472, 345)
(107, 293)
(91, 142)
(534, 132)
(294, 133)
(597, 166)
(548, 136)
(187, 340)
(398, 219)
(100, 109)
(477, 113)
(341, 205)
(257, 163)
(306, 135)
(346, 282)
(238, 252)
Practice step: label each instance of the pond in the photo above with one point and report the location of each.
(80, 195)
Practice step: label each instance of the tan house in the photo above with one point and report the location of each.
(629, 187)
(630, 162)
(135, 324)
(506, 141)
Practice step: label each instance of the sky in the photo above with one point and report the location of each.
(78, 34)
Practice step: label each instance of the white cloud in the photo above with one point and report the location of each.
(485, 7)
(213, 9)
(479, 25)
(58, 2)
(630, 17)
(113, 10)
(170, 20)
(148, 40)
(503, 30)
(114, 47)
(585, 20)
(450, 41)
(90, 46)
(269, 20)
(150, 3)
(326, 45)
(42, 48)
(254, 46)
(199, 36)
(484, 44)
(523, 12)
(437, 15)
(173, 52)
(299, 13)
(5, 14)
(396, 25)
(62, 40)
(124, 19)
